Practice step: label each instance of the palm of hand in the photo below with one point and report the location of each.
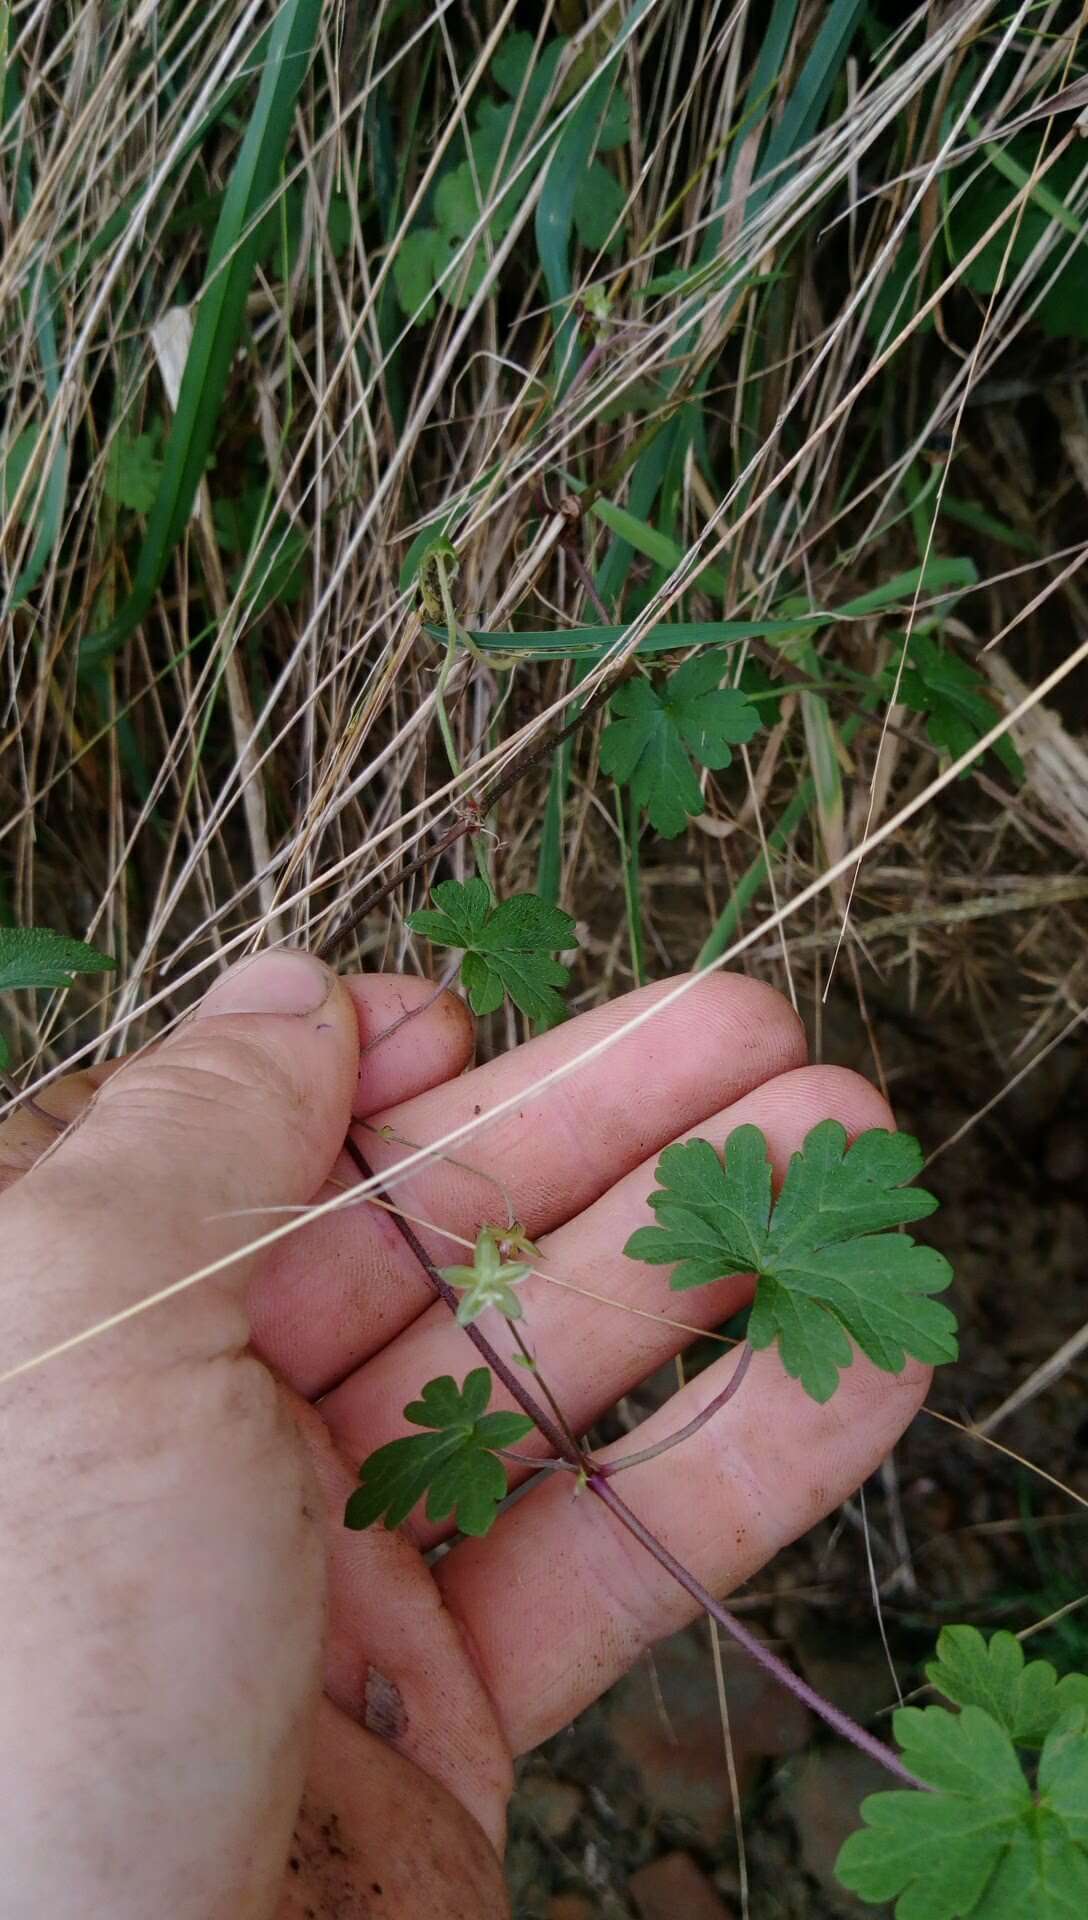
(434, 1675)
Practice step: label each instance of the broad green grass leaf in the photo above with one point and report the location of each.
(827, 1271)
(38, 957)
(656, 730)
(254, 181)
(453, 1463)
(589, 643)
(1023, 1696)
(507, 946)
(827, 57)
(982, 1845)
(952, 695)
(17, 455)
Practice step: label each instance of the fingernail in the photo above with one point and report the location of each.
(282, 982)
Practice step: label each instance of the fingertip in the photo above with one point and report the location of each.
(411, 1037)
(743, 1005)
(788, 1107)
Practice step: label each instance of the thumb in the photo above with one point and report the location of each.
(175, 1165)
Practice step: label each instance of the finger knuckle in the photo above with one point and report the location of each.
(197, 1078)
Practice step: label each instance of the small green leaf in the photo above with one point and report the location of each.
(133, 471)
(38, 957)
(827, 1272)
(982, 1845)
(453, 1463)
(656, 731)
(517, 65)
(599, 201)
(456, 202)
(422, 258)
(1023, 1696)
(953, 697)
(507, 946)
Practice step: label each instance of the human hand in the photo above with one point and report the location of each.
(218, 1702)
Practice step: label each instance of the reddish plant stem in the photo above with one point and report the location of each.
(841, 1723)
(608, 1469)
(540, 1418)
(600, 1483)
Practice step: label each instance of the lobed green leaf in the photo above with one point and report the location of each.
(453, 1464)
(828, 1277)
(508, 946)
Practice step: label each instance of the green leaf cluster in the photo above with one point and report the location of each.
(985, 1843)
(827, 1269)
(499, 133)
(955, 700)
(508, 946)
(38, 957)
(658, 729)
(453, 1463)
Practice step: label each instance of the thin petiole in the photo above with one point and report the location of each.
(609, 1469)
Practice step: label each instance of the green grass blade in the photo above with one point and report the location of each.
(654, 544)
(815, 83)
(727, 925)
(941, 575)
(253, 184)
(39, 306)
(627, 821)
(592, 643)
(554, 218)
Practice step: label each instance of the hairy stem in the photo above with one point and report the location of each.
(600, 1483)
(770, 1662)
(608, 1469)
(572, 1438)
(541, 1419)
